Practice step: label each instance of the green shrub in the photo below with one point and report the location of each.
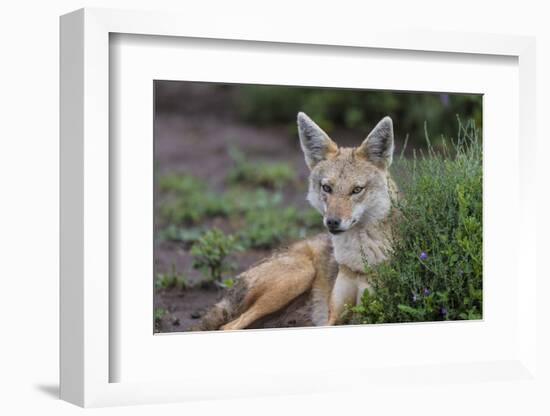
(243, 200)
(187, 200)
(267, 174)
(356, 109)
(210, 253)
(435, 272)
(183, 235)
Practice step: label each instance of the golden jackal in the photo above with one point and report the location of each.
(353, 190)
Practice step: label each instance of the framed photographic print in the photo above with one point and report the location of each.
(260, 213)
(263, 221)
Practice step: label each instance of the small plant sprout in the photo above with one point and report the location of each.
(211, 251)
(171, 280)
(159, 313)
(157, 317)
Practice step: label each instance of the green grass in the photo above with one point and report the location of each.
(260, 217)
(185, 235)
(244, 199)
(269, 228)
(435, 272)
(170, 280)
(158, 314)
(180, 184)
(273, 175)
(187, 200)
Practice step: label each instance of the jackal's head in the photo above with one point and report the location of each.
(348, 186)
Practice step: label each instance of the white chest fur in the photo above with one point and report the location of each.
(353, 247)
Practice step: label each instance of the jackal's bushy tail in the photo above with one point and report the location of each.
(227, 309)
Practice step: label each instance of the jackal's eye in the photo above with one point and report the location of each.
(357, 190)
(326, 188)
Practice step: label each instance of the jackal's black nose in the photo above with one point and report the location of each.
(333, 223)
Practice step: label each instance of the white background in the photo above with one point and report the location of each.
(29, 217)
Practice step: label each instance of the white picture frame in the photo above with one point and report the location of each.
(87, 303)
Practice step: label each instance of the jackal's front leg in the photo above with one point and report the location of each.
(343, 293)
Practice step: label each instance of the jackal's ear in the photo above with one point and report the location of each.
(316, 144)
(378, 146)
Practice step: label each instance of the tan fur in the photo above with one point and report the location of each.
(351, 185)
(308, 265)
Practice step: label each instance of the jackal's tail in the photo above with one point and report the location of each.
(227, 309)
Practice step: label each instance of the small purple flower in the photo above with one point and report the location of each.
(426, 291)
(423, 256)
(443, 311)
